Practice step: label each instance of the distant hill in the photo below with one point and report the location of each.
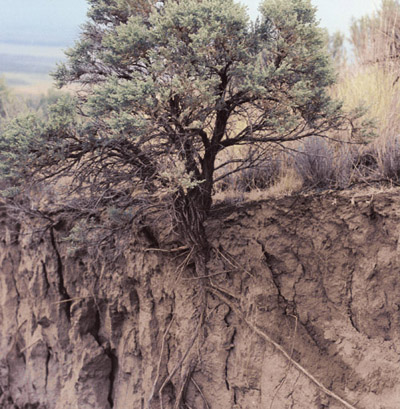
(32, 37)
(26, 67)
(27, 63)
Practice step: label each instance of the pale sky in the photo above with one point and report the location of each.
(35, 33)
(334, 14)
(337, 14)
(56, 22)
(46, 22)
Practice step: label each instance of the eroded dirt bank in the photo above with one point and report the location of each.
(318, 275)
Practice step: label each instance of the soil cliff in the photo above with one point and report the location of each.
(301, 310)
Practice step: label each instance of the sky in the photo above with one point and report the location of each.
(335, 15)
(47, 22)
(35, 33)
(56, 22)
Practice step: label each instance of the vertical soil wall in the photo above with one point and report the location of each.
(301, 309)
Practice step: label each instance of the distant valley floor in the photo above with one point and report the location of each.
(26, 67)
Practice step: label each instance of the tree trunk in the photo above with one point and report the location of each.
(190, 212)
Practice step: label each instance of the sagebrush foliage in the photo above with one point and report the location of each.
(168, 86)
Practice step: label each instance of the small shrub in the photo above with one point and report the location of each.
(315, 164)
(258, 178)
(365, 162)
(345, 165)
(388, 155)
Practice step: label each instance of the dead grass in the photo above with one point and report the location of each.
(28, 83)
(377, 90)
(287, 183)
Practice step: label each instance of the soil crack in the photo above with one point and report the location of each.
(229, 347)
(113, 375)
(350, 312)
(60, 271)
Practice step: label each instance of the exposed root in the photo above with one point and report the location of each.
(72, 299)
(184, 356)
(200, 391)
(15, 338)
(30, 346)
(184, 264)
(185, 379)
(207, 276)
(166, 332)
(282, 382)
(182, 248)
(224, 291)
(232, 262)
(258, 331)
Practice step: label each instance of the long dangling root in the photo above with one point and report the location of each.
(282, 382)
(159, 363)
(263, 335)
(184, 356)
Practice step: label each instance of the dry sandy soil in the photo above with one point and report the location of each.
(301, 310)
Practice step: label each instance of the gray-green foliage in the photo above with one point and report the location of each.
(23, 123)
(33, 142)
(168, 86)
(4, 99)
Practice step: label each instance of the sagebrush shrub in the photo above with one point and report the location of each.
(315, 164)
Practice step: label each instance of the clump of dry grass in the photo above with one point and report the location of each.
(247, 180)
(388, 159)
(288, 183)
(373, 80)
(375, 89)
(276, 177)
